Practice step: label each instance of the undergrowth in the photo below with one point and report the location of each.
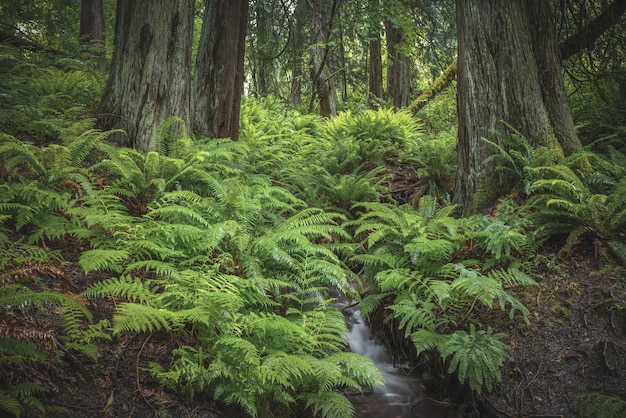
(234, 249)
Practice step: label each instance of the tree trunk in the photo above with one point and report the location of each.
(399, 70)
(148, 82)
(375, 71)
(297, 44)
(323, 86)
(218, 79)
(508, 70)
(261, 51)
(92, 29)
(375, 62)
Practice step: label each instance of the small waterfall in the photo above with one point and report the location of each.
(392, 400)
(403, 396)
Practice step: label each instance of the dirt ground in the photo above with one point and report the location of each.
(575, 343)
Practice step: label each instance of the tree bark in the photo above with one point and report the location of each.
(375, 62)
(375, 71)
(399, 70)
(297, 44)
(148, 81)
(323, 86)
(508, 70)
(92, 30)
(218, 79)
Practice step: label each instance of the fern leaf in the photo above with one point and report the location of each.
(128, 287)
(141, 318)
(328, 404)
(477, 356)
(94, 260)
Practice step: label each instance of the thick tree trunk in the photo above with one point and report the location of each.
(148, 82)
(92, 30)
(323, 86)
(218, 79)
(508, 70)
(399, 70)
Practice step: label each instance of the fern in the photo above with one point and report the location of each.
(18, 398)
(571, 206)
(476, 356)
(93, 260)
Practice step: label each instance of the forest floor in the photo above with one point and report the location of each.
(574, 344)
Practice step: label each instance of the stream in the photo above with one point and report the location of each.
(403, 395)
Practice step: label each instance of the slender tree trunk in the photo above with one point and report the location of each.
(323, 85)
(148, 82)
(92, 30)
(262, 63)
(508, 70)
(399, 70)
(219, 74)
(375, 62)
(297, 62)
(375, 71)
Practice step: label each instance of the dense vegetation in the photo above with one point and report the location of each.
(235, 251)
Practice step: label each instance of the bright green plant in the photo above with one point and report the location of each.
(476, 356)
(436, 161)
(569, 202)
(410, 257)
(514, 159)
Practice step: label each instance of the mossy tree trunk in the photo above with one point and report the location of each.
(148, 81)
(509, 70)
(218, 78)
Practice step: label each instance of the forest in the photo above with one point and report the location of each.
(196, 195)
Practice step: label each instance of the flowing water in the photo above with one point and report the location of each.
(403, 395)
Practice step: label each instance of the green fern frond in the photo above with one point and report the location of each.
(618, 249)
(12, 295)
(128, 287)
(477, 356)
(94, 260)
(360, 369)
(14, 399)
(238, 351)
(327, 404)
(475, 285)
(18, 350)
(425, 340)
(142, 318)
(414, 314)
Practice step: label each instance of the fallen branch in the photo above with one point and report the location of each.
(440, 83)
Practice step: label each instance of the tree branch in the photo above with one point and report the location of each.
(33, 46)
(590, 33)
